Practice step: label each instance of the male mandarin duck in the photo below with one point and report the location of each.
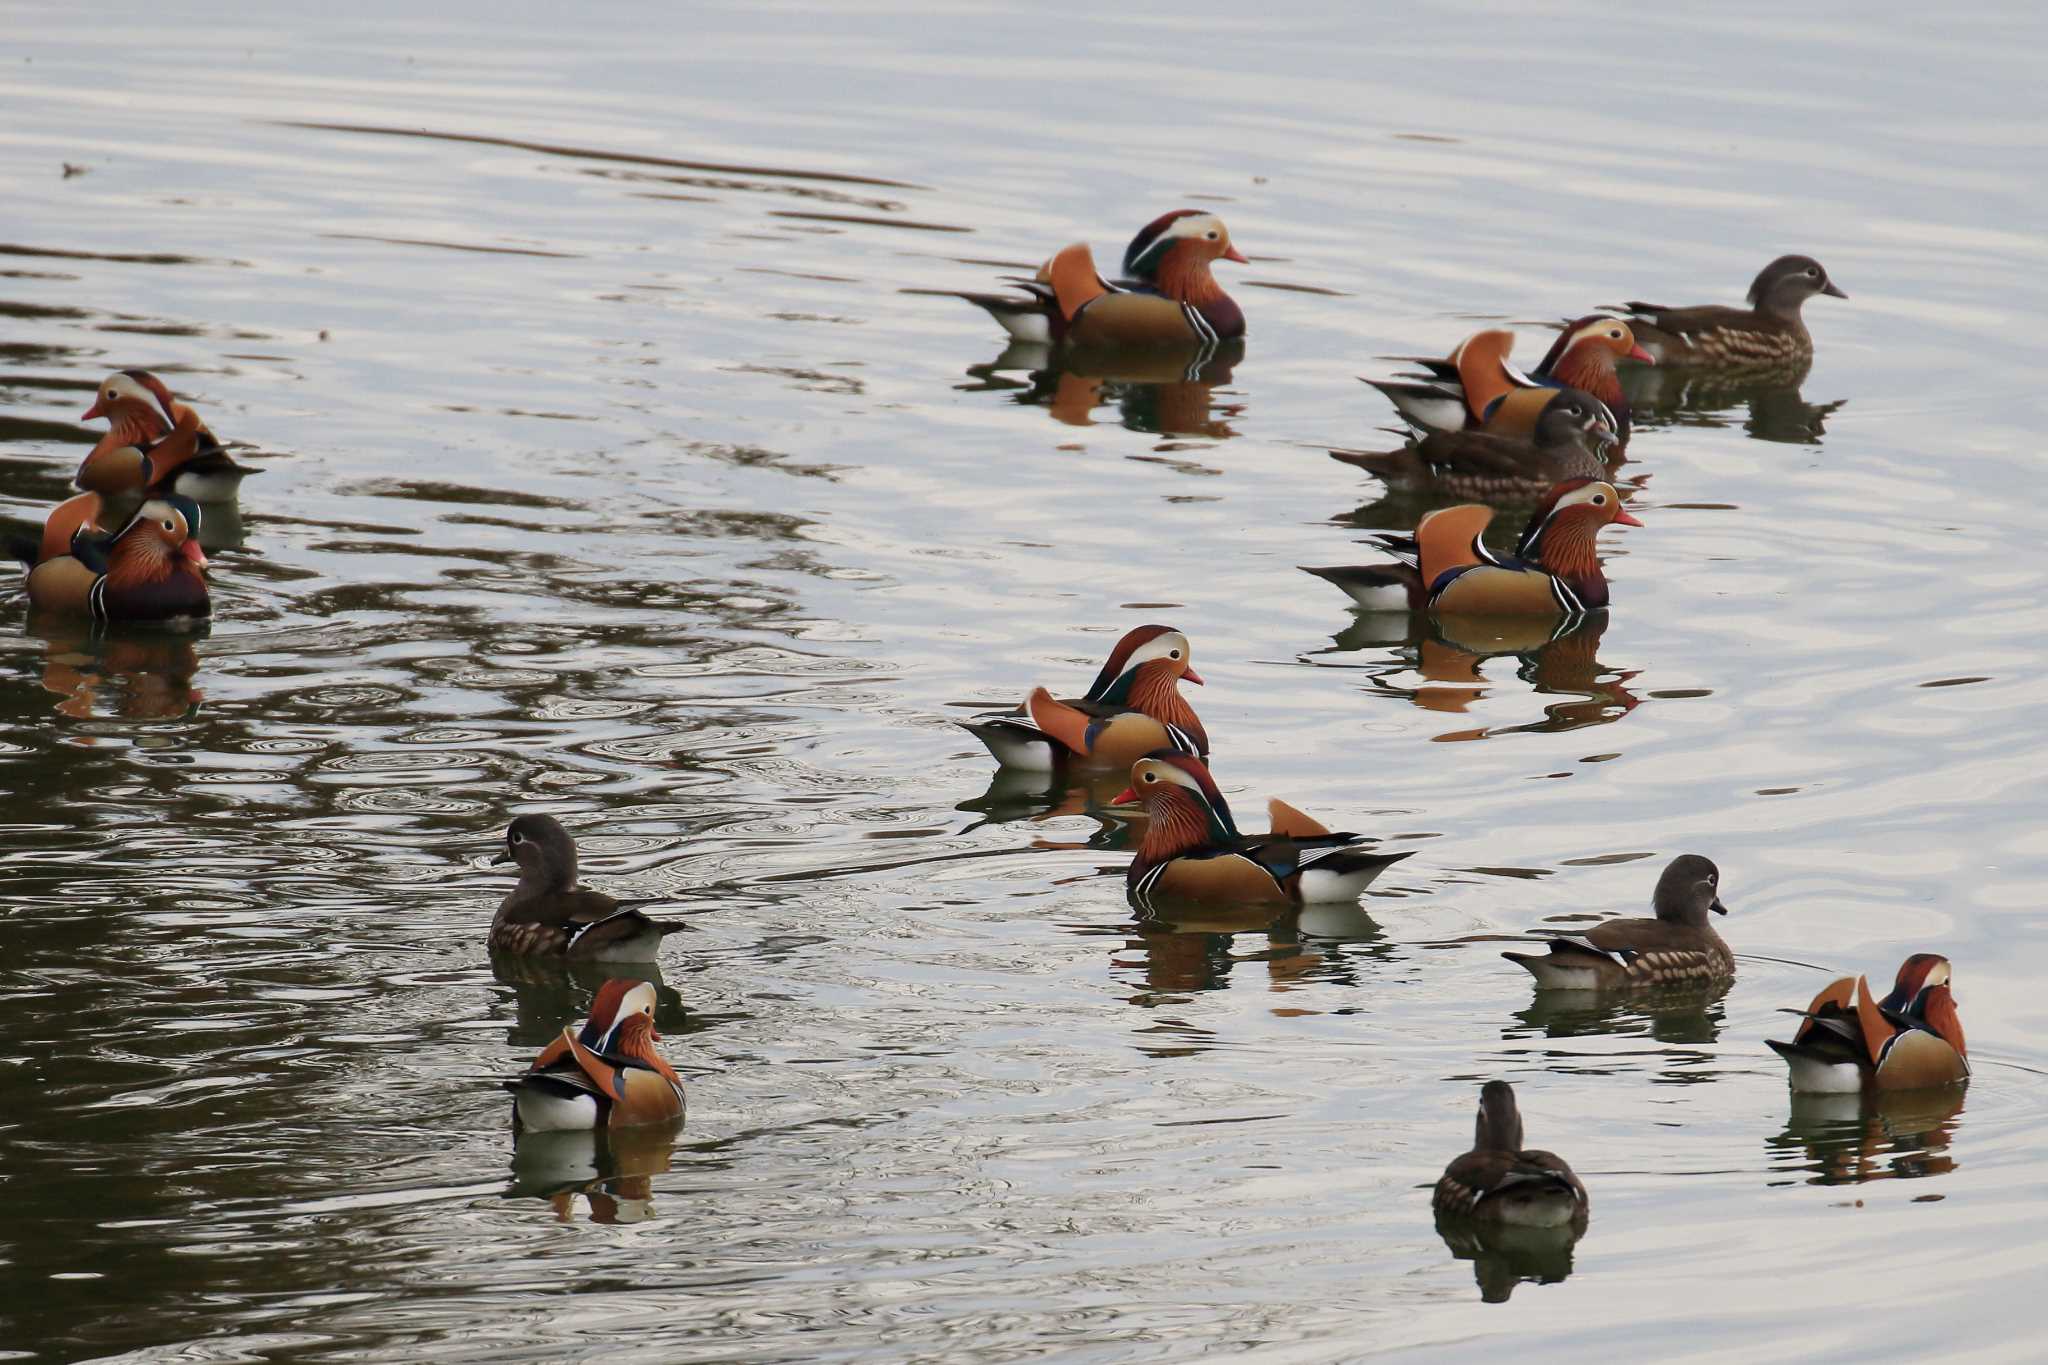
(1499, 1182)
(1910, 1040)
(151, 570)
(1678, 947)
(1193, 850)
(1572, 440)
(1447, 569)
(140, 411)
(1133, 707)
(549, 915)
(1476, 388)
(1769, 331)
(1168, 295)
(87, 513)
(605, 1075)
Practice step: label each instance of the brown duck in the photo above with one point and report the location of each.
(1445, 567)
(140, 411)
(1572, 440)
(151, 570)
(1767, 333)
(1678, 947)
(1910, 1040)
(1168, 295)
(606, 1074)
(549, 915)
(1133, 707)
(1500, 1182)
(1475, 388)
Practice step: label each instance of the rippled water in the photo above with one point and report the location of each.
(609, 471)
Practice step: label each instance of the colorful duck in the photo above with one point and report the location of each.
(1769, 332)
(1499, 1182)
(1678, 947)
(1193, 851)
(549, 915)
(1910, 1040)
(140, 412)
(1446, 568)
(1475, 388)
(1168, 295)
(151, 570)
(1572, 440)
(606, 1075)
(1133, 707)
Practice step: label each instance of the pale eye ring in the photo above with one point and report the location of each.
(1599, 499)
(1211, 234)
(1173, 654)
(171, 526)
(1151, 777)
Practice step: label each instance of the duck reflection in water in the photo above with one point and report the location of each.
(1768, 398)
(1851, 1139)
(1449, 660)
(1683, 1015)
(610, 1171)
(1167, 390)
(1180, 948)
(131, 671)
(1016, 794)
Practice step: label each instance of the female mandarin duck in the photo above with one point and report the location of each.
(607, 1075)
(1169, 295)
(549, 915)
(1193, 850)
(1678, 947)
(1768, 332)
(1447, 569)
(1572, 440)
(1910, 1040)
(1476, 388)
(140, 411)
(1133, 707)
(1499, 1182)
(152, 570)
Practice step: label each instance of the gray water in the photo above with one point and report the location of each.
(609, 471)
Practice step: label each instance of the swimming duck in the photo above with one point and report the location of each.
(1475, 388)
(605, 1075)
(1770, 331)
(151, 570)
(548, 914)
(1678, 947)
(1446, 569)
(1497, 1181)
(140, 411)
(86, 512)
(1168, 294)
(1193, 851)
(1910, 1040)
(1133, 707)
(1572, 440)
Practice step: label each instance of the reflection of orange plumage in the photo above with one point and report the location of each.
(140, 679)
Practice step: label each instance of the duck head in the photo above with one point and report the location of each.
(1181, 240)
(1499, 1128)
(1689, 888)
(1786, 283)
(1576, 418)
(1562, 530)
(161, 539)
(1182, 800)
(1146, 656)
(132, 396)
(618, 1003)
(1592, 345)
(1918, 975)
(545, 852)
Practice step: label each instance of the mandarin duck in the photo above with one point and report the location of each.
(1499, 1182)
(549, 915)
(151, 570)
(1192, 849)
(1572, 440)
(605, 1075)
(140, 410)
(1133, 707)
(1768, 332)
(1910, 1040)
(1168, 294)
(1447, 569)
(1476, 388)
(87, 513)
(1678, 947)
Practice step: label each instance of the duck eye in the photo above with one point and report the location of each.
(1599, 499)
(1173, 654)
(171, 526)
(1151, 777)
(1211, 234)
(1812, 274)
